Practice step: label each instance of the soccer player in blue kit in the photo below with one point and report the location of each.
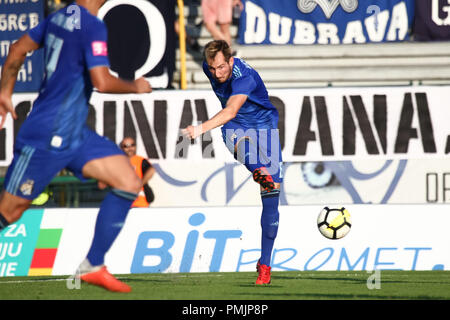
(55, 135)
(249, 129)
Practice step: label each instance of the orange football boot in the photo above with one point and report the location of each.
(103, 278)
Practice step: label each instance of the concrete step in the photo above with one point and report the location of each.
(330, 75)
(323, 84)
(382, 50)
(285, 63)
(400, 49)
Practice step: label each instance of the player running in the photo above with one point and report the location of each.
(249, 129)
(55, 135)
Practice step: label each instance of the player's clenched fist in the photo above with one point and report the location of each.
(143, 86)
(192, 132)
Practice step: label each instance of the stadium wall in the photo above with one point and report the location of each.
(380, 152)
(172, 240)
(340, 145)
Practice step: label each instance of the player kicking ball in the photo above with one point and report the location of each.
(249, 129)
(55, 135)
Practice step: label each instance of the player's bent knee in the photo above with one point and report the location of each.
(241, 140)
(125, 194)
(12, 207)
(12, 214)
(137, 185)
(15, 215)
(131, 184)
(242, 153)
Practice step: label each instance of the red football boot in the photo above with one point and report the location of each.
(264, 274)
(262, 176)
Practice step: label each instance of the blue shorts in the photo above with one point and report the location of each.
(267, 141)
(32, 169)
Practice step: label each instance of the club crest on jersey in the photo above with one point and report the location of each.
(328, 6)
(27, 187)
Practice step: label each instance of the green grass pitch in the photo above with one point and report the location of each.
(286, 285)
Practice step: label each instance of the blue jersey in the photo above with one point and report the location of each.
(71, 47)
(257, 111)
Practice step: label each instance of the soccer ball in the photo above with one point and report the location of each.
(334, 223)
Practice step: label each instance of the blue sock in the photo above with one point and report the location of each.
(269, 224)
(110, 219)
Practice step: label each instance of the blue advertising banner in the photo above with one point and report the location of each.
(16, 18)
(325, 21)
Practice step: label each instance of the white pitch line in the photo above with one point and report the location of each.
(37, 280)
(120, 278)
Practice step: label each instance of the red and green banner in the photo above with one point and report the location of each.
(45, 252)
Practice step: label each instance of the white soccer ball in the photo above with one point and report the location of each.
(334, 223)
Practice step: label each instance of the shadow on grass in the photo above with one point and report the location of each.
(360, 280)
(131, 280)
(252, 285)
(286, 295)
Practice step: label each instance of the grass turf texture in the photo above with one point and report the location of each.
(292, 285)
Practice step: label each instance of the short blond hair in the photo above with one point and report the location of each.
(216, 46)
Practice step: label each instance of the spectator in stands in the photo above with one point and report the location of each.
(219, 12)
(192, 43)
(144, 170)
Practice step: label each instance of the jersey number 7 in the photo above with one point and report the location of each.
(54, 45)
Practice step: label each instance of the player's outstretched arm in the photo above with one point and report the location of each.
(228, 113)
(105, 82)
(16, 56)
